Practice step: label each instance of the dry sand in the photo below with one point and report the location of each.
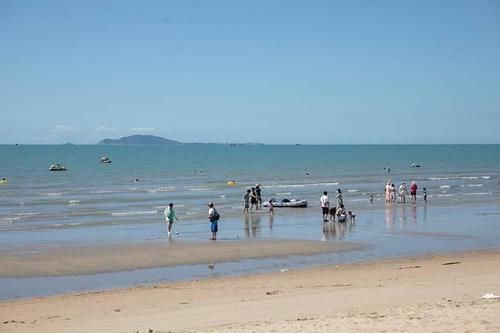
(439, 293)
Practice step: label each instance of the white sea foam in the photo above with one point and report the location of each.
(475, 185)
(444, 186)
(74, 202)
(478, 193)
(358, 200)
(446, 195)
(133, 213)
(9, 220)
(52, 194)
(301, 185)
(353, 191)
(162, 189)
(439, 178)
(472, 177)
(199, 188)
(101, 192)
(485, 177)
(284, 193)
(27, 214)
(165, 206)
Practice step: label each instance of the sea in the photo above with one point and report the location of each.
(93, 203)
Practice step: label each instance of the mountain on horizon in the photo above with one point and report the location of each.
(138, 140)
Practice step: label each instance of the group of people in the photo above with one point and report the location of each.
(252, 198)
(332, 213)
(335, 212)
(213, 216)
(391, 192)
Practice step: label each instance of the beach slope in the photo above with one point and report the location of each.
(439, 293)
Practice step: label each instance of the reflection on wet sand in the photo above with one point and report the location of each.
(336, 230)
(402, 214)
(251, 225)
(390, 215)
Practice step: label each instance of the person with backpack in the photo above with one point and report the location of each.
(214, 217)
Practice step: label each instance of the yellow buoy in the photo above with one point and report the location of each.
(231, 183)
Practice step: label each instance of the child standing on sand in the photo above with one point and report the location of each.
(425, 194)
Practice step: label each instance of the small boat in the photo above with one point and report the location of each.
(286, 203)
(231, 183)
(57, 167)
(105, 159)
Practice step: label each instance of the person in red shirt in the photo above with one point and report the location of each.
(413, 191)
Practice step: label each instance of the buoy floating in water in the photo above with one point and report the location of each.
(231, 183)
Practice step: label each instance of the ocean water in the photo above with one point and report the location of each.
(93, 203)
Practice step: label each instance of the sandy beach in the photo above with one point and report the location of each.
(84, 260)
(438, 293)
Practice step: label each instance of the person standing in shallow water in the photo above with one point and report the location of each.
(325, 205)
(253, 199)
(170, 217)
(213, 216)
(246, 201)
(340, 201)
(258, 196)
(413, 191)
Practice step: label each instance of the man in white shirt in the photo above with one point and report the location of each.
(325, 205)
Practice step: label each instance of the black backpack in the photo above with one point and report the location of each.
(215, 216)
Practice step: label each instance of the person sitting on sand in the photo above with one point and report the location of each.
(341, 215)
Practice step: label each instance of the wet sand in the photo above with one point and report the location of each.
(115, 258)
(439, 293)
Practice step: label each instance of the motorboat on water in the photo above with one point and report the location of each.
(105, 160)
(57, 167)
(287, 203)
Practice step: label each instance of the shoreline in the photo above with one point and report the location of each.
(89, 260)
(434, 291)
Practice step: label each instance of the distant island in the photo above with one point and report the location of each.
(138, 140)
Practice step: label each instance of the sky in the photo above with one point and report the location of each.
(267, 71)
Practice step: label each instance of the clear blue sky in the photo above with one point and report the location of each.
(251, 71)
